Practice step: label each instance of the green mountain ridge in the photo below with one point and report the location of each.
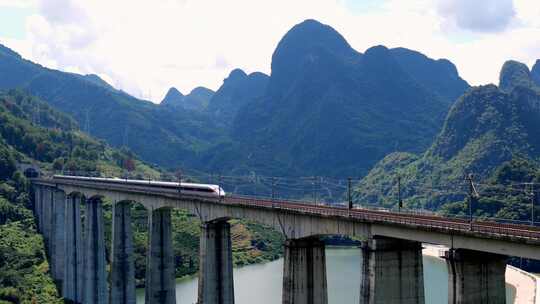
(238, 90)
(158, 134)
(535, 72)
(197, 99)
(488, 130)
(330, 110)
(515, 74)
(173, 98)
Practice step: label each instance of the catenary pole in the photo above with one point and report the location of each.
(400, 202)
(349, 192)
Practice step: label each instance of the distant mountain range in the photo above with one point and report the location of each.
(326, 109)
(197, 99)
(237, 91)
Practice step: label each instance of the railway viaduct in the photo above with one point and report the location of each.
(392, 270)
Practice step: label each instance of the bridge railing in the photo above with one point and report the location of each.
(425, 218)
(399, 218)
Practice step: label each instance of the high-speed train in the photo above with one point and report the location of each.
(183, 188)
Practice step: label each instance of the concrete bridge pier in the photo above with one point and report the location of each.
(58, 237)
(304, 272)
(95, 276)
(216, 284)
(160, 276)
(46, 218)
(392, 272)
(72, 286)
(37, 206)
(475, 277)
(122, 261)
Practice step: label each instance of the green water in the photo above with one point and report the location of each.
(262, 283)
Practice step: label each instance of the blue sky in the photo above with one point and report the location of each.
(146, 46)
(13, 21)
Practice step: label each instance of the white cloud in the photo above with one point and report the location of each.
(144, 47)
(478, 15)
(62, 12)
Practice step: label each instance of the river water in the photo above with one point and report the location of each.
(261, 283)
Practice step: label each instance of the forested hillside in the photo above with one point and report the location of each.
(159, 135)
(491, 132)
(33, 132)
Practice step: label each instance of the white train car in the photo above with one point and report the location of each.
(206, 190)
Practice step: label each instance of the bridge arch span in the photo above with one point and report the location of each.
(75, 194)
(97, 197)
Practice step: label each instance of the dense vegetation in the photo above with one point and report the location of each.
(24, 269)
(33, 133)
(491, 132)
(506, 194)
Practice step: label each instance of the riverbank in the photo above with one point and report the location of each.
(527, 285)
(537, 276)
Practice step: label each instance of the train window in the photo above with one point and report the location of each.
(197, 189)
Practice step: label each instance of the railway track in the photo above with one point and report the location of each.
(395, 217)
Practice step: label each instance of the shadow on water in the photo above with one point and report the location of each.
(262, 283)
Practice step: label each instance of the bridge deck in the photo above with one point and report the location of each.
(427, 221)
(485, 229)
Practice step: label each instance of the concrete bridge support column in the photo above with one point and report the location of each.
(72, 287)
(304, 272)
(41, 215)
(58, 237)
(475, 277)
(47, 218)
(160, 283)
(392, 272)
(216, 284)
(123, 262)
(95, 276)
(37, 206)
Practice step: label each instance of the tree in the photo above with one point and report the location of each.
(19, 181)
(129, 164)
(7, 164)
(58, 164)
